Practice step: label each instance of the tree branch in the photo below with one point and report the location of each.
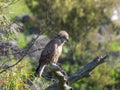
(26, 52)
(63, 82)
(85, 71)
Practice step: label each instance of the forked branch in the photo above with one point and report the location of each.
(63, 82)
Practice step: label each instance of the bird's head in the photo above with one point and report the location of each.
(63, 36)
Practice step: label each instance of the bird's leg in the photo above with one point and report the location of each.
(59, 67)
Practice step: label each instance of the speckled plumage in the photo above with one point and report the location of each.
(52, 51)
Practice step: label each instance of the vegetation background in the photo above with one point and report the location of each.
(94, 28)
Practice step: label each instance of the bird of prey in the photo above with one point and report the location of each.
(52, 51)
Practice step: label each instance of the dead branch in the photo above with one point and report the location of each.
(63, 82)
(22, 51)
(26, 52)
(62, 79)
(85, 71)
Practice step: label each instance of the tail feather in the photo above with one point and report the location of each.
(40, 70)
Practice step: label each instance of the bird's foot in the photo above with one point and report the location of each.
(55, 66)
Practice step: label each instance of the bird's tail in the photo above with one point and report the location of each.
(39, 70)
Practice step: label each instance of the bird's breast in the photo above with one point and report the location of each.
(57, 53)
(59, 49)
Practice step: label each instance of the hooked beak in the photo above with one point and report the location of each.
(67, 39)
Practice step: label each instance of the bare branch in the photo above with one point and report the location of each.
(27, 50)
(22, 51)
(84, 72)
(62, 82)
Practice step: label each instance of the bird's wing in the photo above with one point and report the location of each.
(48, 52)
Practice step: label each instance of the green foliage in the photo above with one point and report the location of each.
(9, 10)
(21, 39)
(17, 9)
(98, 80)
(15, 79)
(78, 17)
(12, 8)
(114, 46)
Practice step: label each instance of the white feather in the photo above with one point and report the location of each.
(41, 70)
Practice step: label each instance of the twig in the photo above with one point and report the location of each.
(23, 51)
(11, 3)
(27, 50)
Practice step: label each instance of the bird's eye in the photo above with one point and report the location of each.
(58, 35)
(64, 37)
